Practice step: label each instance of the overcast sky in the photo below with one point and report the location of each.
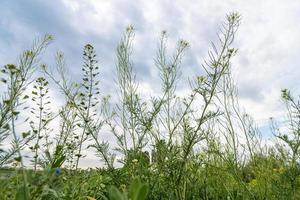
(268, 40)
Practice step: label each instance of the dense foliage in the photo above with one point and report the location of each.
(201, 146)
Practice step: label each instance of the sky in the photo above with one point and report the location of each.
(268, 41)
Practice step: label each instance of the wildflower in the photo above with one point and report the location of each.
(200, 79)
(184, 43)
(134, 160)
(281, 170)
(153, 167)
(253, 183)
(130, 28)
(28, 53)
(231, 52)
(123, 187)
(57, 171)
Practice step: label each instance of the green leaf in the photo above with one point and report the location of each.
(58, 163)
(47, 191)
(11, 66)
(6, 126)
(7, 101)
(142, 192)
(25, 134)
(138, 191)
(133, 188)
(18, 159)
(115, 194)
(22, 193)
(15, 113)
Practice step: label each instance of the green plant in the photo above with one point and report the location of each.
(17, 80)
(137, 191)
(43, 115)
(199, 146)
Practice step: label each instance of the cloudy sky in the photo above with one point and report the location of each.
(268, 40)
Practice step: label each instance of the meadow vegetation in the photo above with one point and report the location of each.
(201, 146)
